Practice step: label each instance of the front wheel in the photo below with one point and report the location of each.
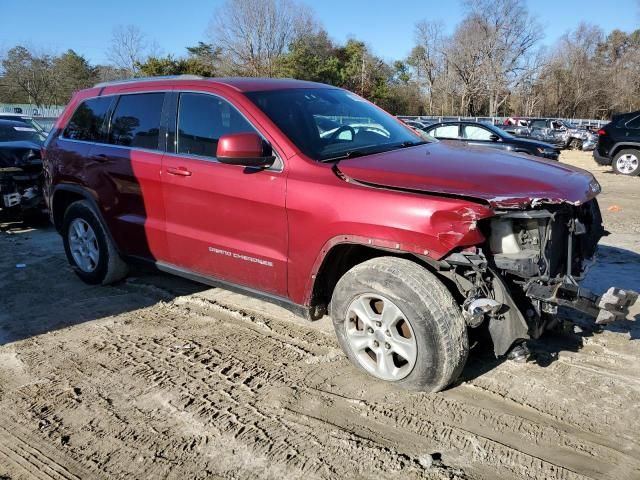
(575, 144)
(627, 162)
(399, 323)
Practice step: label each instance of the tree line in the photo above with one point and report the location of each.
(492, 64)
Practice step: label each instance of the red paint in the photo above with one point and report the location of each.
(499, 178)
(270, 229)
(240, 145)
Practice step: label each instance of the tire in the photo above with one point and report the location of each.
(575, 144)
(627, 162)
(107, 266)
(433, 321)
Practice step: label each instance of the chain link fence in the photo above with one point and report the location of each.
(500, 120)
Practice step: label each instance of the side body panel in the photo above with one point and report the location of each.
(324, 210)
(227, 221)
(129, 190)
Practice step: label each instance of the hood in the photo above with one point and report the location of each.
(532, 143)
(19, 154)
(503, 180)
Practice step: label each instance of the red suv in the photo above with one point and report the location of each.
(311, 197)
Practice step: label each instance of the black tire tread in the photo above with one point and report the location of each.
(116, 268)
(443, 310)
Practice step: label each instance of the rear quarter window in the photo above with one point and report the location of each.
(88, 120)
(136, 120)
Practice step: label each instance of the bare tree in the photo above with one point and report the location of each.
(127, 48)
(466, 61)
(427, 58)
(254, 34)
(507, 36)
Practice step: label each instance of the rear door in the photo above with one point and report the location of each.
(125, 171)
(223, 221)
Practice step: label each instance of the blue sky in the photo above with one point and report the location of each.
(386, 25)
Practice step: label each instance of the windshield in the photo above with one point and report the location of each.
(19, 132)
(328, 124)
(497, 130)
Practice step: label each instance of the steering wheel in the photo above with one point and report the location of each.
(343, 128)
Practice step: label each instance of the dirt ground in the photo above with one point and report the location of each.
(161, 378)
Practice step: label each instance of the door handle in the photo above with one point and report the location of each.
(181, 171)
(100, 157)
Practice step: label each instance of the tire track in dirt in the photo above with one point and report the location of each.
(29, 457)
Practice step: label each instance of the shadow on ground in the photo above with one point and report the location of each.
(40, 293)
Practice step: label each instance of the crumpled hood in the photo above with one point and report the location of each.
(503, 180)
(21, 153)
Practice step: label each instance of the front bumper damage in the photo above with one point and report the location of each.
(20, 189)
(609, 307)
(525, 279)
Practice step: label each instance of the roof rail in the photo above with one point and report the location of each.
(149, 79)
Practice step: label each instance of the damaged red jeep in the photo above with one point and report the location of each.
(313, 198)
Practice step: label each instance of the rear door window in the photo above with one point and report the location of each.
(445, 131)
(473, 132)
(202, 120)
(88, 120)
(136, 121)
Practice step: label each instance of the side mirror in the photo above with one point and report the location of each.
(494, 138)
(246, 149)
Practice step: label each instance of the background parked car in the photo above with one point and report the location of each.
(520, 129)
(20, 167)
(487, 135)
(562, 134)
(619, 144)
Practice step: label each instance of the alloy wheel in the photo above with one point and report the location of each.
(627, 163)
(83, 245)
(381, 337)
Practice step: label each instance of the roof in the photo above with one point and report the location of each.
(12, 123)
(241, 84)
(13, 114)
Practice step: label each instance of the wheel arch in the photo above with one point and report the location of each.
(64, 195)
(621, 146)
(341, 255)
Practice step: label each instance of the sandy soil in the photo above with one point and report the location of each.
(159, 377)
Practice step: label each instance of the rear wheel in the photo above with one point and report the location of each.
(627, 162)
(399, 323)
(89, 249)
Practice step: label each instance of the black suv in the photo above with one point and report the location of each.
(487, 135)
(619, 144)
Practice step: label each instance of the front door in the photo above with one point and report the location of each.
(222, 221)
(481, 136)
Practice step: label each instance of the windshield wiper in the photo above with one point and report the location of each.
(412, 143)
(372, 151)
(350, 154)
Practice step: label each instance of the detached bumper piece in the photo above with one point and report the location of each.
(20, 189)
(613, 305)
